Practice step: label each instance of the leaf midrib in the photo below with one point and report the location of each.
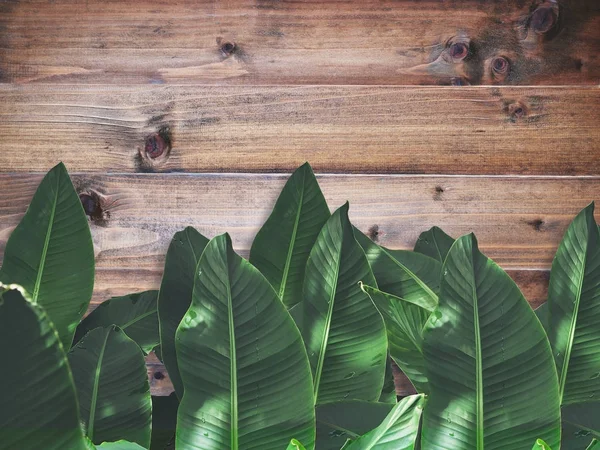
(92, 416)
(232, 365)
(38, 281)
(138, 318)
(478, 362)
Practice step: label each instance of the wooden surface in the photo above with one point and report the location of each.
(476, 116)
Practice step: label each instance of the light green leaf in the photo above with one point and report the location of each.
(135, 314)
(574, 310)
(404, 322)
(295, 445)
(349, 419)
(398, 431)
(164, 421)
(489, 365)
(50, 253)
(175, 295)
(408, 275)
(119, 445)
(342, 330)
(388, 392)
(282, 245)
(434, 243)
(244, 369)
(540, 445)
(112, 387)
(38, 402)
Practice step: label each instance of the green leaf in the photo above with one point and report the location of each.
(594, 445)
(388, 392)
(342, 330)
(434, 243)
(164, 421)
(119, 445)
(543, 315)
(488, 361)
(112, 387)
(581, 423)
(295, 445)
(574, 310)
(282, 245)
(135, 314)
(398, 431)
(349, 419)
(50, 253)
(404, 322)
(408, 275)
(175, 295)
(38, 402)
(244, 369)
(540, 445)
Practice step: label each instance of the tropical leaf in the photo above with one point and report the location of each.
(339, 421)
(404, 322)
(37, 396)
(488, 361)
(342, 330)
(112, 386)
(581, 423)
(175, 295)
(50, 253)
(594, 445)
(295, 445)
(398, 431)
(434, 243)
(540, 445)
(135, 314)
(164, 420)
(244, 369)
(408, 275)
(119, 445)
(388, 392)
(574, 310)
(281, 247)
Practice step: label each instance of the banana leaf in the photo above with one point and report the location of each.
(398, 431)
(175, 295)
(339, 421)
(434, 243)
(342, 330)
(112, 387)
(38, 400)
(50, 253)
(490, 368)
(281, 247)
(135, 314)
(574, 310)
(245, 372)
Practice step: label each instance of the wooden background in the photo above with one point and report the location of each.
(472, 115)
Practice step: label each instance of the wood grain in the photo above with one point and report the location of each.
(357, 129)
(296, 42)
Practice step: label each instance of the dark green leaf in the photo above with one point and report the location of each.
(176, 294)
(581, 423)
(135, 314)
(490, 369)
(164, 420)
(434, 243)
(37, 399)
(244, 369)
(112, 387)
(282, 245)
(343, 332)
(50, 253)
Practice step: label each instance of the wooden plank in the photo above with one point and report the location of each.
(298, 42)
(362, 129)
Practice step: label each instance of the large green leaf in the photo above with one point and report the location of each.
(490, 368)
(342, 330)
(175, 294)
(282, 245)
(404, 322)
(408, 275)
(574, 310)
(434, 243)
(339, 421)
(50, 253)
(112, 387)
(37, 399)
(135, 314)
(164, 420)
(398, 431)
(245, 372)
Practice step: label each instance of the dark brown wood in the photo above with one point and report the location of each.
(299, 42)
(358, 129)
